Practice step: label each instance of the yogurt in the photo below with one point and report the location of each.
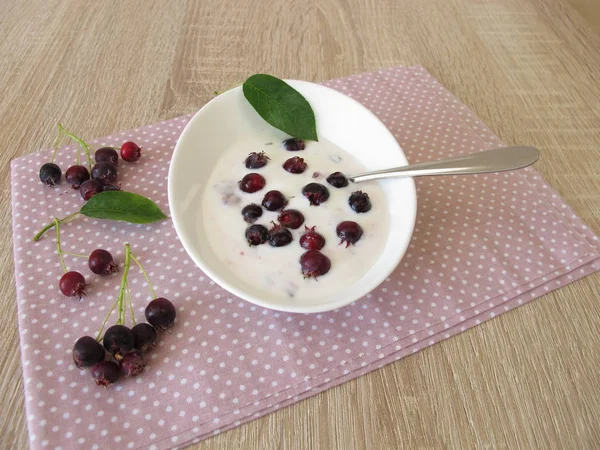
(277, 270)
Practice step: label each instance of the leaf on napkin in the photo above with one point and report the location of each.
(281, 106)
(124, 206)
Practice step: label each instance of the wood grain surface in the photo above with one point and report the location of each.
(529, 68)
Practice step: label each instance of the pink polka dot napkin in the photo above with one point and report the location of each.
(482, 245)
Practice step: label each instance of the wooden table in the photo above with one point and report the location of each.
(529, 68)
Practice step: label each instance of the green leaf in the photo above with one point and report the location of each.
(125, 206)
(281, 106)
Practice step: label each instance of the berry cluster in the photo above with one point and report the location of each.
(123, 350)
(90, 180)
(313, 263)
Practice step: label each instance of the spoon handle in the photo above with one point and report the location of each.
(497, 160)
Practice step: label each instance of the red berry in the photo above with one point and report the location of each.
(105, 373)
(314, 264)
(252, 182)
(311, 240)
(295, 165)
(349, 232)
(72, 284)
(291, 218)
(101, 262)
(76, 175)
(274, 201)
(130, 151)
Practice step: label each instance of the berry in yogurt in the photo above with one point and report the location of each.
(256, 160)
(315, 193)
(279, 236)
(293, 144)
(274, 201)
(252, 182)
(295, 165)
(291, 218)
(256, 235)
(349, 232)
(359, 201)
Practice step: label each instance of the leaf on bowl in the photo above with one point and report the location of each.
(124, 206)
(281, 106)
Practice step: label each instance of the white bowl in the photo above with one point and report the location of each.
(342, 121)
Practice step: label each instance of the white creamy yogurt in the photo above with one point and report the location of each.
(277, 269)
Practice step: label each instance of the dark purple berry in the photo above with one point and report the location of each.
(107, 154)
(90, 188)
(314, 264)
(50, 174)
(349, 232)
(252, 182)
(256, 160)
(104, 172)
(359, 202)
(256, 235)
(291, 218)
(72, 284)
(311, 240)
(106, 373)
(295, 165)
(279, 236)
(75, 175)
(118, 341)
(160, 313)
(274, 201)
(130, 151)
(144, 337)
(101, 262)
(132, 364)
(294, 144)
(315, 193)
(87, 351)
(251, 212)
(337, 179)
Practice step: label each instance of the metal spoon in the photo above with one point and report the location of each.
(497, 160)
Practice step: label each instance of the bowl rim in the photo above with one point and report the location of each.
(187, 244)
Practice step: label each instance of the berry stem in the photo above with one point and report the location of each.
(77, 255)
(84, 145)
(98, 336)
(65, 219)
(145, 276)
(121, 318)
(130, 304)
(58, 249)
